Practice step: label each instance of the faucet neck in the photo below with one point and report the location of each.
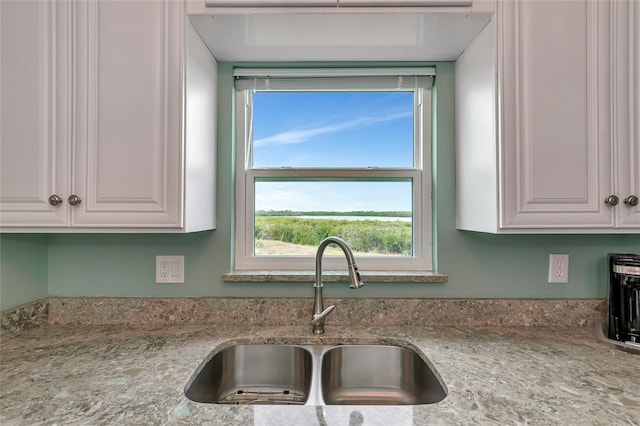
(320, 253)
(319, 313)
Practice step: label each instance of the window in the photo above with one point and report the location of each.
(344, 152)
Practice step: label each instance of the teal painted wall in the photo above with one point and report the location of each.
(478, 265)
(23, 269)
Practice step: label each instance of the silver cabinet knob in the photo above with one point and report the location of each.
(632, 200)
(55, 200)
(74, 200)
(612, 200)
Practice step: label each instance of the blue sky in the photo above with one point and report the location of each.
(333, 129)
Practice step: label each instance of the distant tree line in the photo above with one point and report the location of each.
(374, 213)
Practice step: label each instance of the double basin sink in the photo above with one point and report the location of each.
(316, 375)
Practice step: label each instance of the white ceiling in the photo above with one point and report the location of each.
(339, 37)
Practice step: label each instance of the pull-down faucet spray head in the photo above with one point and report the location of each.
(354, 277)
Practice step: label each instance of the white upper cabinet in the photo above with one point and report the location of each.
(114, 137)
(338, 30)
(335, 3)
(547, 120)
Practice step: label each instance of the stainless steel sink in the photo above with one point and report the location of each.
(316, 375)
(255, 374)
(378, 375)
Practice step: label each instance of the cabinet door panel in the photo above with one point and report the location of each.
(626, 101)
(556, 151)
(31, 168)
(128, 140)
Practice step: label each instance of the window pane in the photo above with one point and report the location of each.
(333, 129)
(293, 217)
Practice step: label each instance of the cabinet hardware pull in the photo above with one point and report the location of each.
(632, 200)
(74, 200)
(54, 200)
(612, 200)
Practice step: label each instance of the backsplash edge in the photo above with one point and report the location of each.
(351, 311)
(297, 311)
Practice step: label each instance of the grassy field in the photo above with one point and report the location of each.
(364, 236)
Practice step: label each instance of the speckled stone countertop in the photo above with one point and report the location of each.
(135, 375)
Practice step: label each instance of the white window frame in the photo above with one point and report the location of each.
(420, 174)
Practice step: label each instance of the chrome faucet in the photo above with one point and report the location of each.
(319, 313)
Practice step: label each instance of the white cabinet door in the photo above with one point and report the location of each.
(33, 159)
(557, 165)
(626, 109)
(128, 113)
(271, 3)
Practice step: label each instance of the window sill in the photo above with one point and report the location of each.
(335, 276)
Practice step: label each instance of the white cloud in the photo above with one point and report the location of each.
(298, 136)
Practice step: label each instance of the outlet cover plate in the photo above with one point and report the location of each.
(558, 268)
(169, 269)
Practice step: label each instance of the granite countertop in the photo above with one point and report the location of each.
(136, 375)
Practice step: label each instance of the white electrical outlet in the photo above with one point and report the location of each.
(169, 269)
(558, 268)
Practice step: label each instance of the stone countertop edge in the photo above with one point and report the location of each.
(334, 276)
